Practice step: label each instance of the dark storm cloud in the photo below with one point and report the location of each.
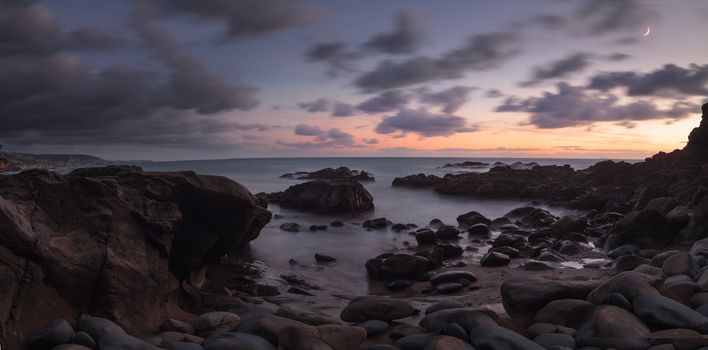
(54, 98)
(561, 68)
(191, 86)
(342, 109)
(385, 102)
(668, 79)
(322, 138)
(319, 105)
(480, 52)
(244, 18)
(405, 38)
(574, 106)
(34, 30)
(424, 123)
(450, 99)
(336, 55)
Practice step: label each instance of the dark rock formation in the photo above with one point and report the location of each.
(466, 164)
(341, 173)
(113, 242)
(336, 196)
(669, 190)
(420, 180)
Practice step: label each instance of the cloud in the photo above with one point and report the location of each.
(549, 21)
(596, 18)
(561, 68)
(319, 105)
(424, 123)
(371, 141)
(245, 18)
(480, 52)
(336, 55)
(619, 56)
(61, 100)
(405, 38)
(322, 138)
(450, 99)
(670, 79)
(308, 130)
(385, 102)
(340, 58)
(606, 16)
(32, 29)
(192, 87)
(342, 109)
(575, 106)
(494, 93)
(253, 126)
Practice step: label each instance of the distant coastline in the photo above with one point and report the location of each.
(14, 161)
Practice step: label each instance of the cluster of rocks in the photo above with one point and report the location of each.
(295, 227)
(341, 173)
(249, 327)
(466, 164)
(534, 237)
(480, 165)
(662, 304)
(605, 186)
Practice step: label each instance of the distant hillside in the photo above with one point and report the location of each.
(12, 161)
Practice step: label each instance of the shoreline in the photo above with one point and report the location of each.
(156, 255)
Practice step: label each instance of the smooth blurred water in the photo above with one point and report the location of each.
(352, 244)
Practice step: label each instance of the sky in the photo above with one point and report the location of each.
(189, 79)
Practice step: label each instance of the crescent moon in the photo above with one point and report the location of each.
(647, 32)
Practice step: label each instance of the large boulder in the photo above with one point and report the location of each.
(645, 229)
(472, 218)
(468, 319)
(488, 337)
(335, 196)
(363, 309)
(660, 310)
(629, 285)
(522, 297)
(613, 327)
(341, 173)
(114, 242)
(397, 266)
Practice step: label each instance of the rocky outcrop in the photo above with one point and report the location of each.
(341, 173)
(336, 196)
(417, 181)
(114, 242)
(664, 197)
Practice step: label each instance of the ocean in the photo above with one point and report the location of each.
(352, 245)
